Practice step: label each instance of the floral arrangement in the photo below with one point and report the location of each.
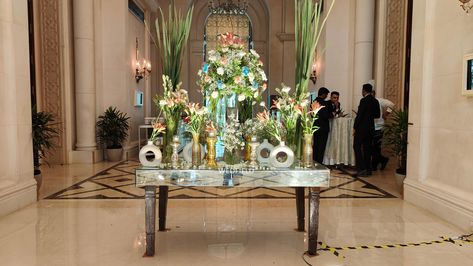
(232, 140)
(290, 108)
(158, 128)
(271, 125)
(308, 117)
(252, 127)
(231, 70)
(196, 117)
(171, 103)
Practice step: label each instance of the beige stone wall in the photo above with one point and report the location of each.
(17, 186)
(439, 176)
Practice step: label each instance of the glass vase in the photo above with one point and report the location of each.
(196, 150)
(245, 110)
(171, 125)
(291, 140)
(231, 157)
(307, 151)
(231, 108)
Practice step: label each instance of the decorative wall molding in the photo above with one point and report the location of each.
(394, 50)
(17, 196)
(448, 206)
(50, 75)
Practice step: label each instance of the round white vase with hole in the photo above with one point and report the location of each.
(281, 156)
(263, 152)
(187, 152)
(150, 148)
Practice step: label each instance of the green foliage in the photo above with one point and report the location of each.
(43, 133)
(172, 38)
(308, 28)
(395, 135)
(112, 128)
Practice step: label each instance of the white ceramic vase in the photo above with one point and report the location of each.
(150, 147)
(263, 152)
(187, 152)
(281, 156)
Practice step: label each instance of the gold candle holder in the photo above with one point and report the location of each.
(175, 154)
(247, 156)
(253, 156)
(211, 141)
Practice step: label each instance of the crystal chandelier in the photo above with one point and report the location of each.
(228, 7)
(467, 5)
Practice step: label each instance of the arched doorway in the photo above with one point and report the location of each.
(259, 16)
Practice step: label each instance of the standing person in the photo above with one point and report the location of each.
(363, 130)
(386, 107)
(321, 135)
(335, 101)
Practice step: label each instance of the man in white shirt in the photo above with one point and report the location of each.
(386, 107)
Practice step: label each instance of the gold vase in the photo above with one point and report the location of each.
(307, 151)
(247, 156)
(211, 141)
(196, 152)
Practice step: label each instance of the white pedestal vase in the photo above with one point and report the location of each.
(281, 156)
(150, 147)
(263, 152)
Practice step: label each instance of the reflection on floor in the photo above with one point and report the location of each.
(226, 230)
(118, 182)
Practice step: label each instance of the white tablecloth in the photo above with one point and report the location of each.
(339, 148)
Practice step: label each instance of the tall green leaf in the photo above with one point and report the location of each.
(172, 36)
(308, 28)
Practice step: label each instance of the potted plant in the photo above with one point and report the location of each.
(395, 137)
(43, 132)
(112, 131)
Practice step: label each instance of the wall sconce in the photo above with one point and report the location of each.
(466, 5)
(313, 75)
(143, 68)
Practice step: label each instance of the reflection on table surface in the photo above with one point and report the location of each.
(316, 176)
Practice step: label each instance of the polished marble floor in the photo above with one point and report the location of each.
(222, 230)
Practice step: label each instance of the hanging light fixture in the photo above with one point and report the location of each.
(467, 5)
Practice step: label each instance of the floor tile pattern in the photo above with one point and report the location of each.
(118, 182)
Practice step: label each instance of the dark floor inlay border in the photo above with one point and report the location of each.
(115, 187)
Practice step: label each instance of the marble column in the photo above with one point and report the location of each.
(364, 38)
(85, 91)
(17, 185)
(84, 63)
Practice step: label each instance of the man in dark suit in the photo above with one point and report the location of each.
(363, 130)
(321, 135)
(335, 100)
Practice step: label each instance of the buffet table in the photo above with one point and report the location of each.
(151, 178)
(339, 149)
